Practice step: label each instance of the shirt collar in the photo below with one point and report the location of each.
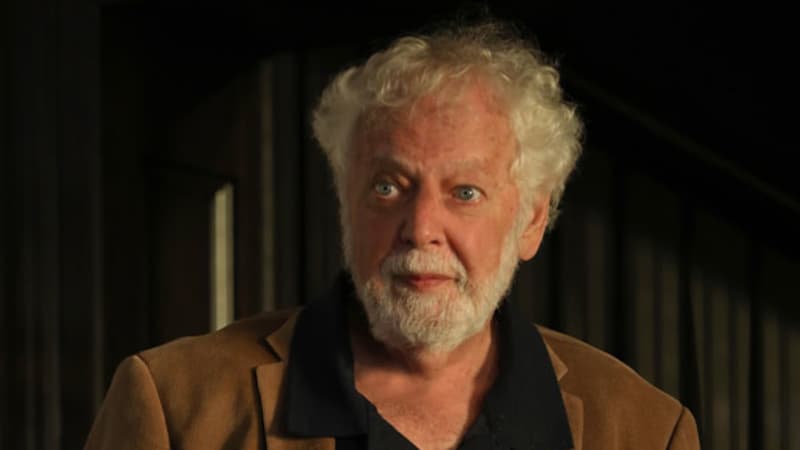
(524, 406)
(321, 399)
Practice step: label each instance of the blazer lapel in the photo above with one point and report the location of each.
(270, 379)
(572, 403)
(574, 406)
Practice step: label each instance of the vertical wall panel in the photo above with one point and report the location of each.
(698, 302)
(322, 257)
(737, 276)
(81, 340)
(771, 388)
(8, 192)
(722, 327)
(652, 216)
(571, 273)
(217, 136)
(593, 183)
(641, 278)
(740, 372)
(180, 294)
(669, 351)
(33, 99)
(719, 362)
(128, 111)
(665, 228)
(532, 287)
(266, 91)
(288, 181)
(7, 278)
(585, 264)
(793, 375)
(597, 278)
(778, 292)
(51, 155)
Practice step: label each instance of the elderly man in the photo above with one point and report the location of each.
(450, 153)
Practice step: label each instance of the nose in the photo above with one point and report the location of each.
(422, 225)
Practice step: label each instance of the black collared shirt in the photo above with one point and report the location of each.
(522, 410)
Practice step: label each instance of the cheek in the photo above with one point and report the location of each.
(480, 245)
(481, 253)
(372, 238)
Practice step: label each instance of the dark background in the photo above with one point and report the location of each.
(677, 250)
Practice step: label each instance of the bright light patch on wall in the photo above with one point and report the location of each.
(222, 257)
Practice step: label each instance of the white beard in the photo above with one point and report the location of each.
(401, 317)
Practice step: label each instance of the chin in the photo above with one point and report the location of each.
(404, 318)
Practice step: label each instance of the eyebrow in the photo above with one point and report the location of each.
(393, 162)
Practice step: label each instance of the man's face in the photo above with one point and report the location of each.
(432, 223)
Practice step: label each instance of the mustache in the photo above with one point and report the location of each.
(417, 261)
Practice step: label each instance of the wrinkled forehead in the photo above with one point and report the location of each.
(453, 105)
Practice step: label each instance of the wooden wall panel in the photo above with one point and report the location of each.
(532, 287)
(793, 376)
(722, 326)
(668, 351)
(701, 345)
(718, 309)
(571, 290)
(180, 295)
(597, 273)
(267, 114)
(289, 176)
(777, 290)
(642, 295)
(741, 363)
(581, 262)
(771, 390)
(322, 255)
(52, 234)
(651, 270)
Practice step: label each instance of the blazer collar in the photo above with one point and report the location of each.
(280, 340)
(525, 405)
(271, 382)
(559, 367)
(572, 403)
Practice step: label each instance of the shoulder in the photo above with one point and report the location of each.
(218, 361)
(242, 342)
(193, 392)
(614, 396)
(595, 373)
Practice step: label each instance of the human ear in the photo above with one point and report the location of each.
(536, 223)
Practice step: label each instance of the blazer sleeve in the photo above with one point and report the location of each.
(131, 416)
(684, 436)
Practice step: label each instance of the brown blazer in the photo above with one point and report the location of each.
(223, 391)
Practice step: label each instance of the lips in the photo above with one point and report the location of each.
(424, 281)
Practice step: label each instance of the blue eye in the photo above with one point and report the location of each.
(467, 193)
(384, 189)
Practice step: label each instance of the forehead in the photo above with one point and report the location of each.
(458, 100)
(458, 123)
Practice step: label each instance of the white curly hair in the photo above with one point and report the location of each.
(546, 127)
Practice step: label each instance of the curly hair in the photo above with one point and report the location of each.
(546, 127)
